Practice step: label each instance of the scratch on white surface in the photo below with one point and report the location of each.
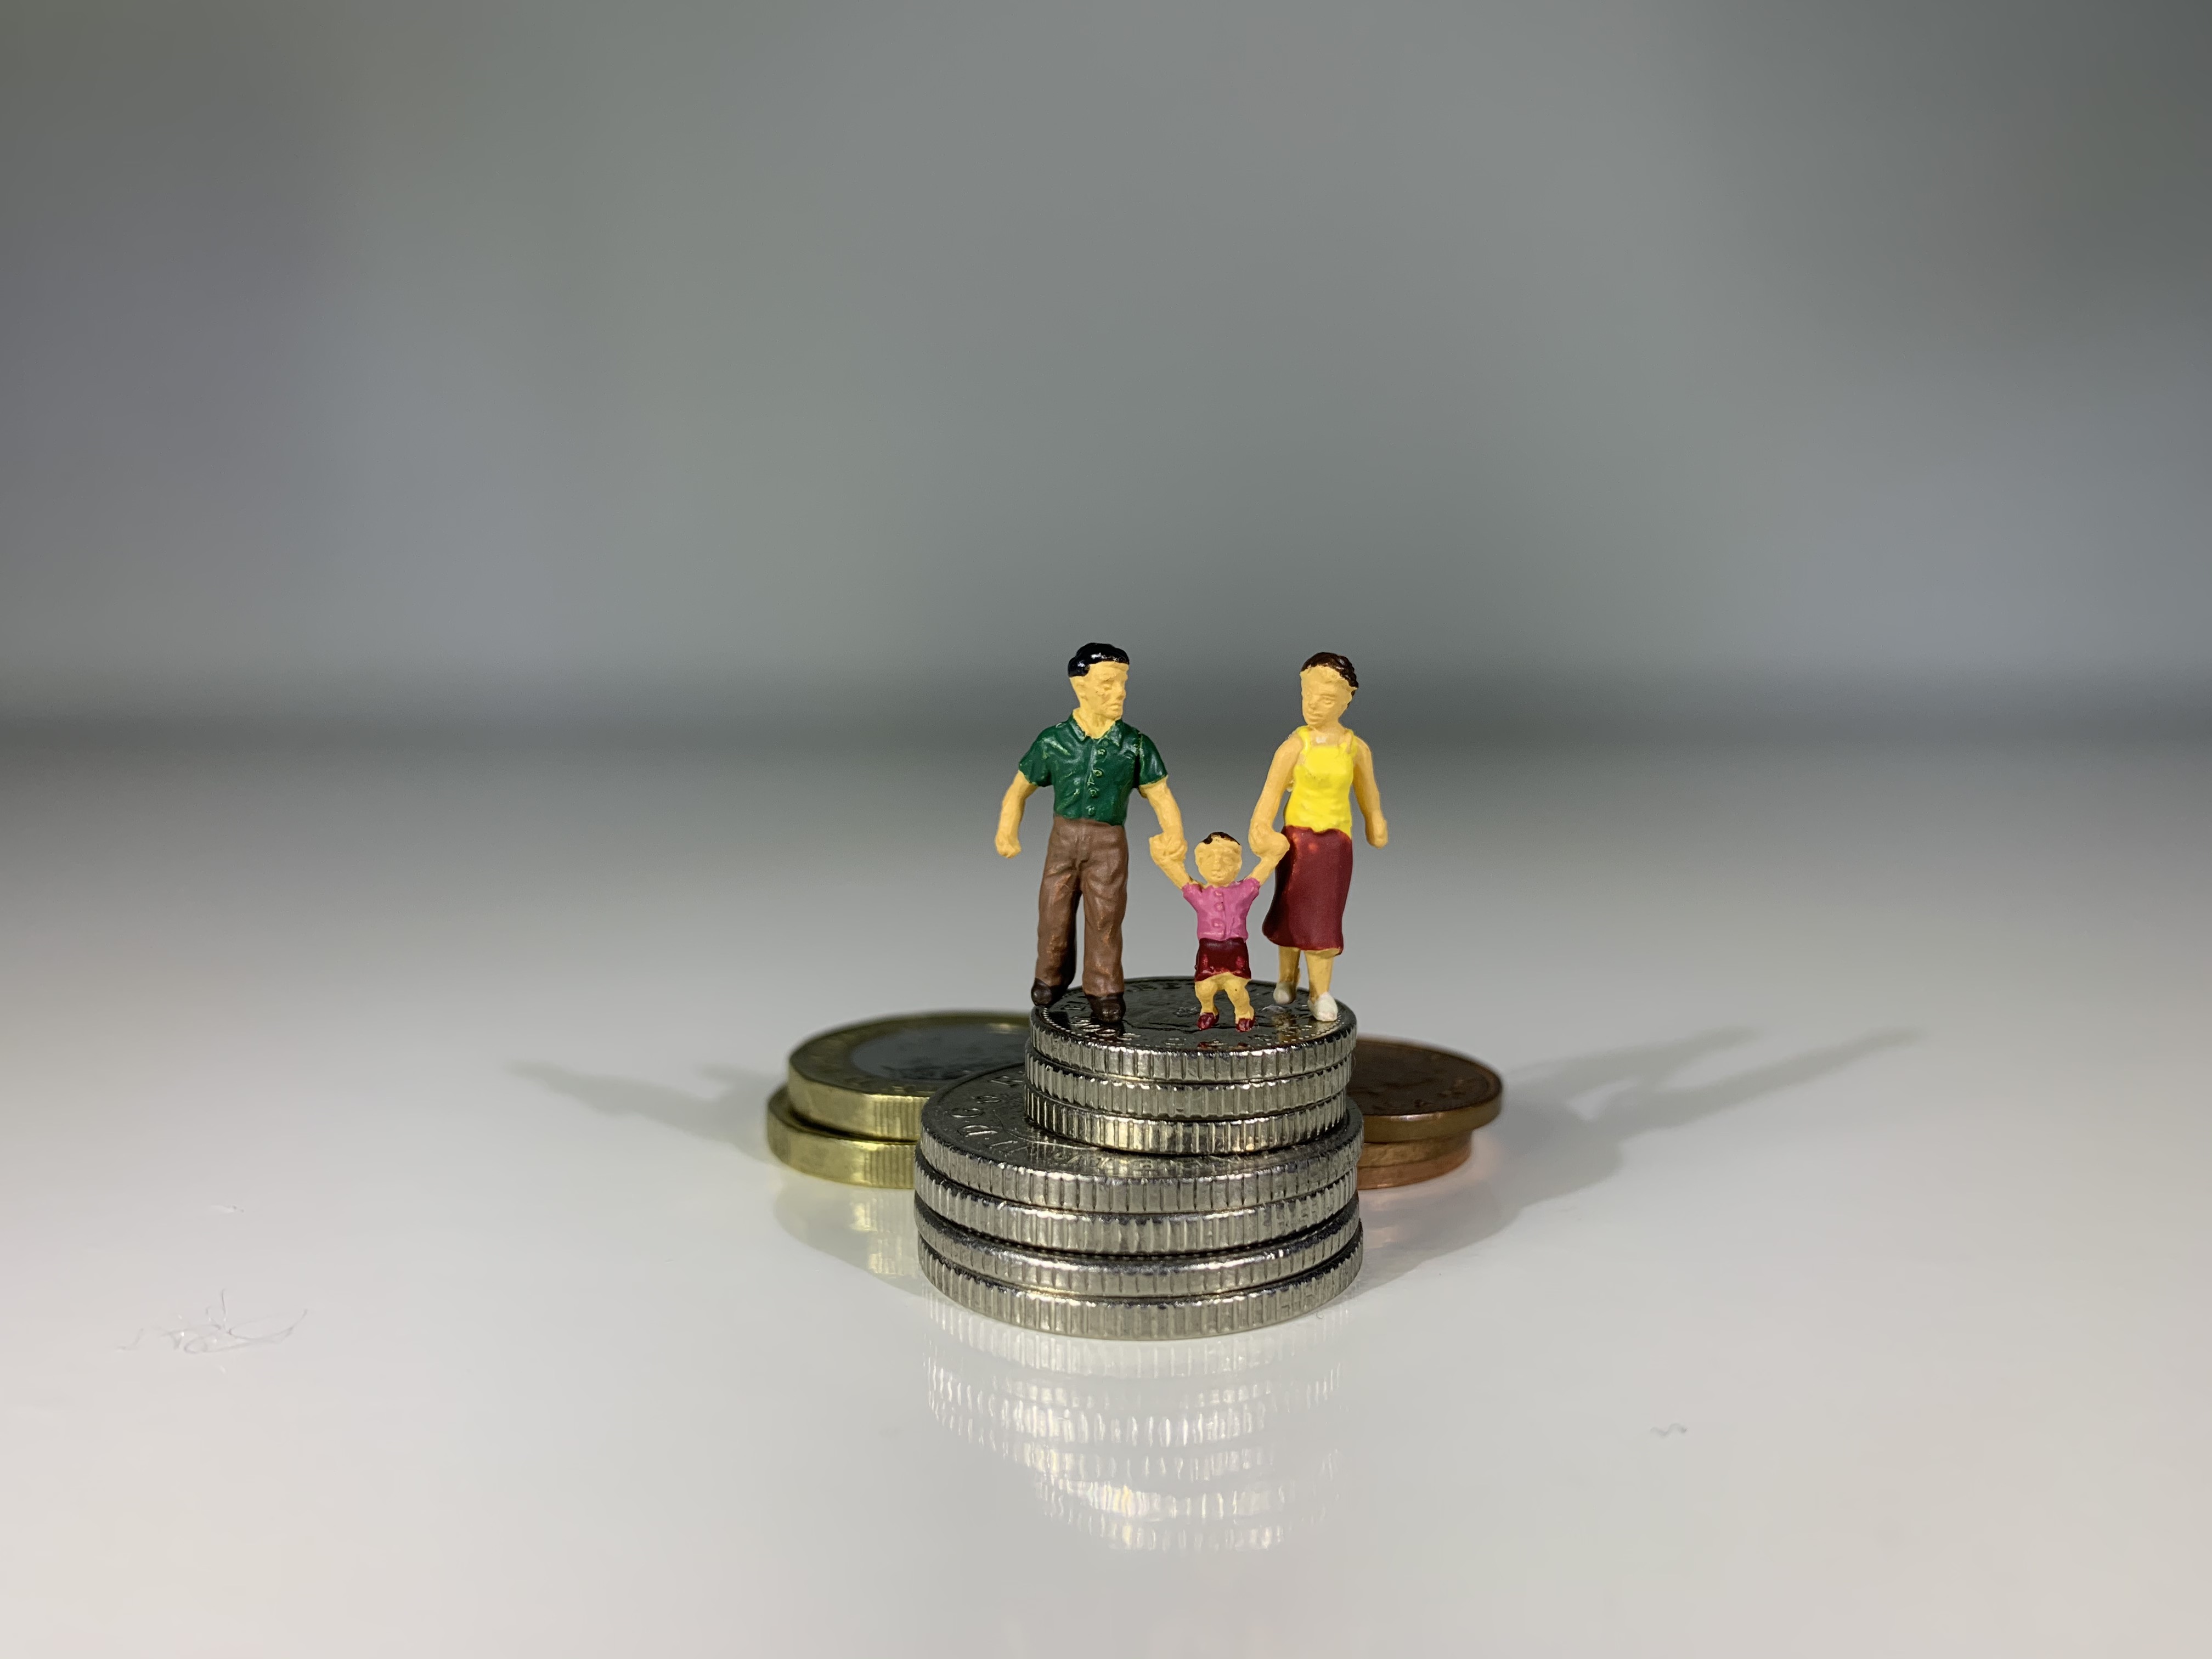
(218, 1333)
(1671, 1430)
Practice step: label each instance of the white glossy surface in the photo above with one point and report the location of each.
(1834, 1283)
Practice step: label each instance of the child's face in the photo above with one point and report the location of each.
(1219, 861)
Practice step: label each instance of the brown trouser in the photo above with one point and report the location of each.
(1092, 859)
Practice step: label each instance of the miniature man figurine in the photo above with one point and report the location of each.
(1090, 762)
(1225, 963)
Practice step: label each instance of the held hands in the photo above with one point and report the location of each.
(1009, 843)
(1269, 841)
(1378, 830)
(1168, 850)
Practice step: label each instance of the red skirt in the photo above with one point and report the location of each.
(1311, 883)
(1222, 956)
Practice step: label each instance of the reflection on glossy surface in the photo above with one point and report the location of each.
(1224, 1444)
(871, 1227)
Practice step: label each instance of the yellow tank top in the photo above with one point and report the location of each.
(1321, 784)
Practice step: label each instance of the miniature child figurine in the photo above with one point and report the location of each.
(1092, 762)
(1222, 903)
(1322, 765)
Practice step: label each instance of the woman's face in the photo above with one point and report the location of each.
(1323, 694)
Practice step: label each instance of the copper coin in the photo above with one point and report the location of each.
(1410, 1092)
(1405, 1174)
(1381, 1154)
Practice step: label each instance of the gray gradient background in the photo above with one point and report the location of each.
(1698, 360)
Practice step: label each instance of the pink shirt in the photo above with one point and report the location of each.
(1221, 910)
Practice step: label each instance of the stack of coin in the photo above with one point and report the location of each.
(1147, 1180)
(850, 1106)
(1421, 1107)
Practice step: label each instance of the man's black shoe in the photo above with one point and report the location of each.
(1043, 995)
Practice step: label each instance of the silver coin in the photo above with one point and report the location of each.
(1180, 1137)
(1158, 1038)
(975, 1133)
(1064, 1367)
(1128, 1235)
(1143, 1276)
(1164, 1319)
(1128, 1097)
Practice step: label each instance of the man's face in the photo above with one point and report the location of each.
(1219, 861)
(1100, 692)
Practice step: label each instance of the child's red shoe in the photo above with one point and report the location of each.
(1243, 1024)
(1209, 1020)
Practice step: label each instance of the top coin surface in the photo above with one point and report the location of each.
(1159, 1040)
(872, 1078)
(976, 1134)
(1410, 1092)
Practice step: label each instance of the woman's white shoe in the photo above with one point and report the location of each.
(1324, 1007)
(1283, 993)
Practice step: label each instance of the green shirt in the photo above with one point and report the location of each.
(1091, 777)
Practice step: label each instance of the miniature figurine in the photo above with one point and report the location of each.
(1323, 764)
(1090, 762)
(1222, 903)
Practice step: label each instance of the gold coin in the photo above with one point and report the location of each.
(1410, 1092)
(860, 1160)
(872, 1079)
(1405, 1174)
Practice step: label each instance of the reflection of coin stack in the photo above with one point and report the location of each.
(1188, 1447)
(1421, 1107)
(851, 1104)
(1148, 1179)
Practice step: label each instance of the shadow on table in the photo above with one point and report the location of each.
(871, 1227)
(731, 1114)
(1546, 1144)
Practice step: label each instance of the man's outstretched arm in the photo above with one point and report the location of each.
(1168, 843)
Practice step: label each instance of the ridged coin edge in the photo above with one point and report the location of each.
(1166, 1321)
(1059, 1189)
(1218, 1136)
(1138, 1279)
(1120, 1233)
(1142, 1097)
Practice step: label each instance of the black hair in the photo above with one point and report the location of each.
(1332, 659)
(1096, 650)
(1221, 834)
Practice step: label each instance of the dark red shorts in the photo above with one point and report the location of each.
(1312, 884)
(1222, 956)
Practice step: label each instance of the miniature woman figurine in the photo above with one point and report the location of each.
(1222, 903)
(1323, 765)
